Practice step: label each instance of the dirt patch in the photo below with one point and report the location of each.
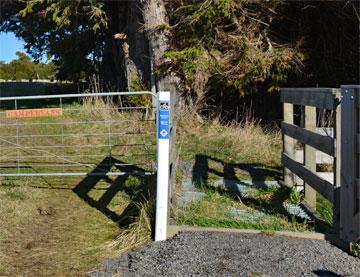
(63, 237)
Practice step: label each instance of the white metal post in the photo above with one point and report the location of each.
(163, 156)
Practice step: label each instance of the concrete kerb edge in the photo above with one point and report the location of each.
(175, 229)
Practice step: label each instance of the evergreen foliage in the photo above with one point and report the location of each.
(24, 68)
(226, 43)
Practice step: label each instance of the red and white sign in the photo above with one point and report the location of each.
(34, 113)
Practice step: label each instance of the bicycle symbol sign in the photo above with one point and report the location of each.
(164, 120)
(164, 106)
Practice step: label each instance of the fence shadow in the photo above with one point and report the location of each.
(139, 194)
(258, 174)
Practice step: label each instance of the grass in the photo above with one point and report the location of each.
(83, 235)
(53, 232)
(324, 208)
(295, 197)
(138, 233)
(246, 141)
(263, 212)
(236, 151)
(50, 226)
(355, 249)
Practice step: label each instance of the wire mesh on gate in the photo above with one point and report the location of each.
(75, 135)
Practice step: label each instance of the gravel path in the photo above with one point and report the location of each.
(224, 254)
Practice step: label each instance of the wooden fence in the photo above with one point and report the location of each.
(342, 107)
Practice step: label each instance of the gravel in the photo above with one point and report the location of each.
(229, 254)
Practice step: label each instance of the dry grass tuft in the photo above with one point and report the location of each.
(138, 233)
(246, 141)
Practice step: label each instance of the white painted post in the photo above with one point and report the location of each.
(163, 170)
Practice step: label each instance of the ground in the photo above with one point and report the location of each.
(234, 254)
(52, 231)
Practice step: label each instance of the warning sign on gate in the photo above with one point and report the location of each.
(34, 113)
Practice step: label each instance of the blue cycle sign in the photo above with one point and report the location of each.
(164, 120)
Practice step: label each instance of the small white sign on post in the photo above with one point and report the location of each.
(163, 170)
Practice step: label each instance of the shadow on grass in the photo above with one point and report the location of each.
(269, 200)
(139, 193)
(257, 172)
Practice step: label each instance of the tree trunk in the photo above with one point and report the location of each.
(137, 57)
(139, 42)
(126, 48)
(155, 23)
(114, 66)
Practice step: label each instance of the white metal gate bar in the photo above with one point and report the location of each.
(77, 95)
(74, 138)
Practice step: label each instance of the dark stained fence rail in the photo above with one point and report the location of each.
(344, 191)
(320, 142)
(315, 97)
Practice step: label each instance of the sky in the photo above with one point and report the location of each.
(9, 45)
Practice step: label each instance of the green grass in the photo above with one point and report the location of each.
(16, 194)
(68, 237)
(295, 197)
(213, 211)
(355, 249)
(53, 231)
(244, 142)
(324, 208)
(237, 151)
(84, 234)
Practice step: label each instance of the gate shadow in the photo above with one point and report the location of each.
(139, 195)
(258, 173)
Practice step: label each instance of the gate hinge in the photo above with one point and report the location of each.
(337, 101)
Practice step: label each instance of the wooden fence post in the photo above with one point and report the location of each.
(337, 162)
(288, 143)
(310, 155)
(349, 172)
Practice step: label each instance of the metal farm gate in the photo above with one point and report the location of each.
(76, 135)
(93, 135)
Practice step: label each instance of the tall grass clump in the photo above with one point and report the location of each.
(245, 141)
(138, 233)
(100, 108)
